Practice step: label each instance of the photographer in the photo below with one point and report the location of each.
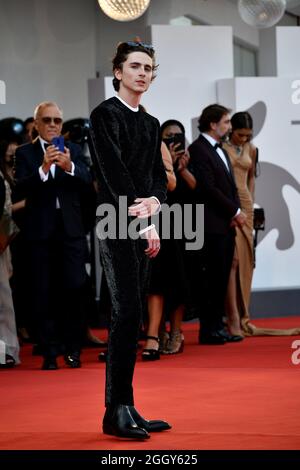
(169, 287)
(173, 134)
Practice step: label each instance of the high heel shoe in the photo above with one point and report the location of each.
(118, 421)
(163, 340)
(151, 354)
(155, 425)
(175, 344)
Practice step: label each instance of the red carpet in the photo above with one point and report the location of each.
(237, 396)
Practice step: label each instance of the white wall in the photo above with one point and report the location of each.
(47, 52)
(191, 59)
(287, 51)
(267, 57)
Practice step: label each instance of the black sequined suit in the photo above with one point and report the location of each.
(126, 151)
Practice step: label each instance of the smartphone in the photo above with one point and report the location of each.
(176, 139)
(59, 142)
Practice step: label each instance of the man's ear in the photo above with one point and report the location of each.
(118, 74)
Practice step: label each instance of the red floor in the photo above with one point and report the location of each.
(237, 396)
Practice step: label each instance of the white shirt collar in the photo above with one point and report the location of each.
(126, 104)
(219, 151)
(210, 139)
(42, 142)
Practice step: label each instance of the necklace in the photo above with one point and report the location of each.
(238, 148)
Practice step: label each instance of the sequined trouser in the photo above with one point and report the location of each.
(126, 269)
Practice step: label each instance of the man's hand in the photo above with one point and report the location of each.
(153, 242)
(63, 160)
(49, 158)
(239, 220)
(143, 207)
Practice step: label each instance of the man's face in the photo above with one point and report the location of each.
(222, 128)
(49, 123)
(136, 73)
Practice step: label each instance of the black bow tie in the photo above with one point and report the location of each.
(218, 145)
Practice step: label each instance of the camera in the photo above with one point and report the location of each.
(176, 139)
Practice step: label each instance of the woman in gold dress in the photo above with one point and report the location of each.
(242, 155)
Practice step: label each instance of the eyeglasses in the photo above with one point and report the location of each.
(136, 44)
(49, 120)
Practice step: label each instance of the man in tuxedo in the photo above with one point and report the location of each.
(215, 189)
(52, 181)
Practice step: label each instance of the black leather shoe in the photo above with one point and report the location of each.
(49, 364)
(212, 339)
(73, 360)
(155, 425)
(102, 357)
(119, 422)
(228, 337)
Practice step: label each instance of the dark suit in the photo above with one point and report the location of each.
(127, 158)
(215, 189)
(56, 240)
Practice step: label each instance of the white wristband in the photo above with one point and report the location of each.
(159, 204)
(144, 230)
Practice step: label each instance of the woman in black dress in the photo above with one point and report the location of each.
(169, 288)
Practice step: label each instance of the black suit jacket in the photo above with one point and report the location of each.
(40, 211)
(216, 188)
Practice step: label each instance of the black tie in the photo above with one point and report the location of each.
(218, 145)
